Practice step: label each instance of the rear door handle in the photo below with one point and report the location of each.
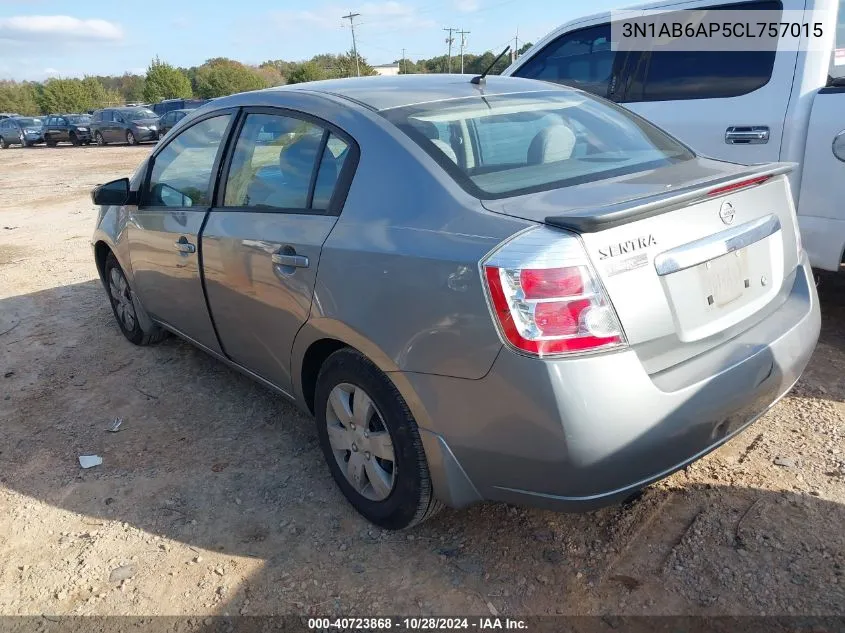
(294, 261)
(747, 135)
(184, 246)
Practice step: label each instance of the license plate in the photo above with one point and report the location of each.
(725, 278)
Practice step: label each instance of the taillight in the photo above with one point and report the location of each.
(546, 298)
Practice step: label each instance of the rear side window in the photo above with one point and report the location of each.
(282, 162)
(181, 172)
(685, 75)
(581, 59)
(837, 62)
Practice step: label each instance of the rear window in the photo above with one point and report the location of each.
(501, 146)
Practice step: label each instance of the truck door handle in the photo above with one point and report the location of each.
(184, 246)
(294, 261)
(747, 135)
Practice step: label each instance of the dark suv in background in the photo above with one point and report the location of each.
(124, 125)
(170, 119)
(20, 130)
(67, 128)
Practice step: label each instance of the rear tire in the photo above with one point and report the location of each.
(122, 304)
(395, 493)
(3, 143)
(99, 139)
(51, 143)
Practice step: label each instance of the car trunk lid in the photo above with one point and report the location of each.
(687, 266)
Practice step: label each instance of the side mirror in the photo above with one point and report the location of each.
(115, 192)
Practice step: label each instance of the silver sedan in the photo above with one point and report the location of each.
(494, 289)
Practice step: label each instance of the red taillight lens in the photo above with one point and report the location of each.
(738, 185)
(543, 307)
(551, 282)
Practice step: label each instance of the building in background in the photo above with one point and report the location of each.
(387, 70)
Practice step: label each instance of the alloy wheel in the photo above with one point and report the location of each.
(99, 138)
(122, 299)
(361, 442)
(130, 138)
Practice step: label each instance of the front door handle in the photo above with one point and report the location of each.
(184, 246)
(747, 135)
(294, 261)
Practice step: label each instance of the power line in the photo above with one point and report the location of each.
(351, 17)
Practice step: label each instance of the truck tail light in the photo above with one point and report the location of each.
(546, 298)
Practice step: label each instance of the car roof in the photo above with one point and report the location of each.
(383, 93)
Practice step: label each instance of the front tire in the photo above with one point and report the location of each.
(74, 140)
(130, 138)
(51, 143)
(371, 443)
(99, 138)
(122, 302)
(4, 144)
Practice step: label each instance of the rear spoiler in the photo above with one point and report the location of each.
(597, 219)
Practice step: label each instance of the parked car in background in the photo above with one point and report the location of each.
(741, 106)
(20, 130)
(163, 107)
(6, 115)
(67, 128)
(567, 305)
(124, 125)
(170, 119)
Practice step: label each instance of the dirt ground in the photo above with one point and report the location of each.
(213, 497)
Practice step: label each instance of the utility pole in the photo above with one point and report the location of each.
(515, 46)
(402, 61)
(449, 41)
(351, 17)
(463, 35)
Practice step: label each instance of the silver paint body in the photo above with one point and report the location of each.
(396, 276)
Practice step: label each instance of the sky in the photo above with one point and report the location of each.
(51, 38)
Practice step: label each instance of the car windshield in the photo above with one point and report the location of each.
(79, 119)
(29, 122)
(137, 115)
(500, 146)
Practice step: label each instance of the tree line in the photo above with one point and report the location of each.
(217, 77)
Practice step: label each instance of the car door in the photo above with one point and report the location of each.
(724, 104)
(62, 129)
(45, 129)
(114, 125)
(285, 183)
(163, 232)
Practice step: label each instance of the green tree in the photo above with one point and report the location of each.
(63, 95)
(19, 97)
(346, 64)
(98, 96)
(221, 76)
(306, 71)
(163, 81)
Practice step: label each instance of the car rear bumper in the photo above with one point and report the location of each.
(586, 432)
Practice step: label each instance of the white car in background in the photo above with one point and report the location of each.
(744, 107)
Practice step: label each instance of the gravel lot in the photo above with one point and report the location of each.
(213, 497)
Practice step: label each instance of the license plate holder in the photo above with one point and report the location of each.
(725, 279)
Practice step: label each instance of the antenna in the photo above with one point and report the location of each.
(481, 78)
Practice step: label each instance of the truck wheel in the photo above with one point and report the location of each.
(123, 305)
(371, 443)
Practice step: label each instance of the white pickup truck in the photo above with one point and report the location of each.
(745, 107)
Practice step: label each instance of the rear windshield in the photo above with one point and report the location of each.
(506, 145)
